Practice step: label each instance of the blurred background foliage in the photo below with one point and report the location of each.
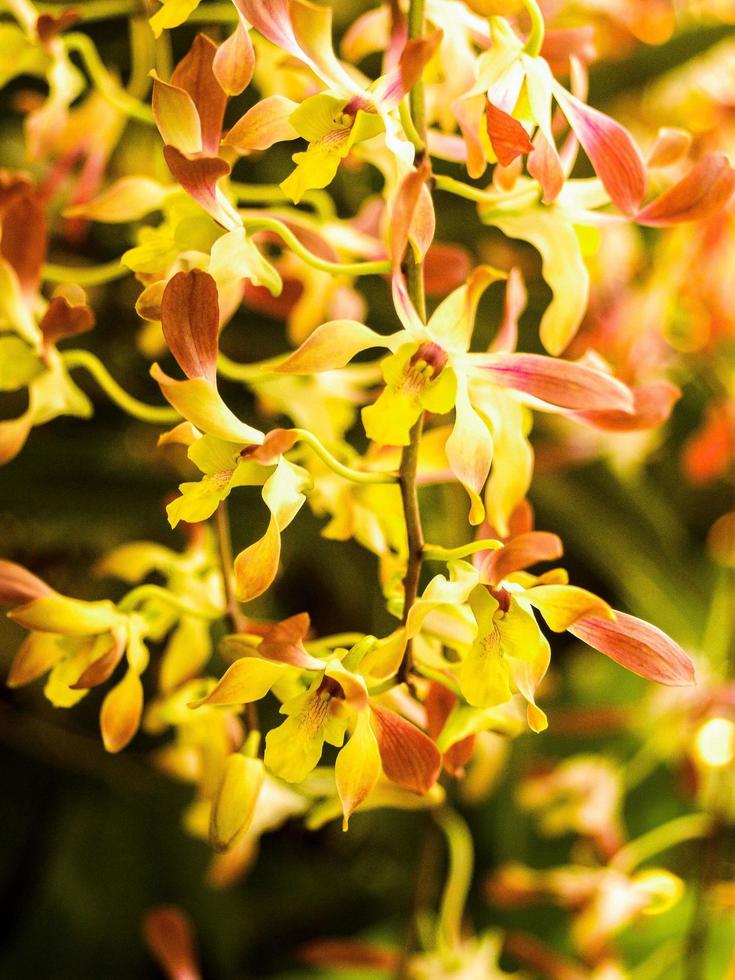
(90, 841)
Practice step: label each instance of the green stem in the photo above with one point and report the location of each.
(535, 39)
(459, 877)
(676, 831)
(416, 23)
(154, 414)
(254, 371)
(409, 128)
(435, 552)
(148, 592)
(108, 88)
(377, 268)
(460, 189)
(92, 10)
(272, 194)
(356, 476)
(84, 275)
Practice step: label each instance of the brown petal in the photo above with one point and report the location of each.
(284, 642)
(62, 319)
(409, 757)
(190, 321)
(234, 61)
(195, 74)
(103, 667)
(638, 646)
(198, 175)
(18, 585)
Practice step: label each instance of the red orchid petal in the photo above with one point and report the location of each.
(704, 191)
(565, 384)
(190, 321)
(198, 175)
(653, 404)
(19, 586)
(508, 137)
(439, 704)
(521, 552)
(195, 75)
(409, 756)
(610, 147)
(637, 646)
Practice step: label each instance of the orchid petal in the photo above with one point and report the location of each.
(357, 768)
(190, 321)
(638, 646)
(409, 756)
(470, 451)
(704, 191)
(331, 347)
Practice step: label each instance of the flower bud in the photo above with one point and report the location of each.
(234, 803)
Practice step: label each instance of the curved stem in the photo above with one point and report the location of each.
(156, 415)
(435, 552)
(356, 476)
(676, 831)
(253, 371)
(108, 88)
(535, 39)
(409, 128)
(377, 268)
(145, 593)
(84, 275)
(459, 877)
(460, 189)
(272, 194)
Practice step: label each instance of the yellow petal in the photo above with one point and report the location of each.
(562, 605)
(257, 565)
(121, 712)
(358, 767)
(235, 801)
(248, 679)
(70, 617)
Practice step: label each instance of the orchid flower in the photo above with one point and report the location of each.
(332, 695)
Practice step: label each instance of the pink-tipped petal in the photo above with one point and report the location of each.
(704, 191)
(637, 646)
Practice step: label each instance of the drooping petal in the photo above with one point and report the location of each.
(704, 191)
(234, 61)
(235, 801)
(544, 165)
(121, 712)
(409, 756)
(330, 347)
(638, 646)
(563, 605)
(357, 768)
(470, 451)
(610, 147)
(190, 321)
(516, 297)
(198, 175)
(18, 585)
(566, 384)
